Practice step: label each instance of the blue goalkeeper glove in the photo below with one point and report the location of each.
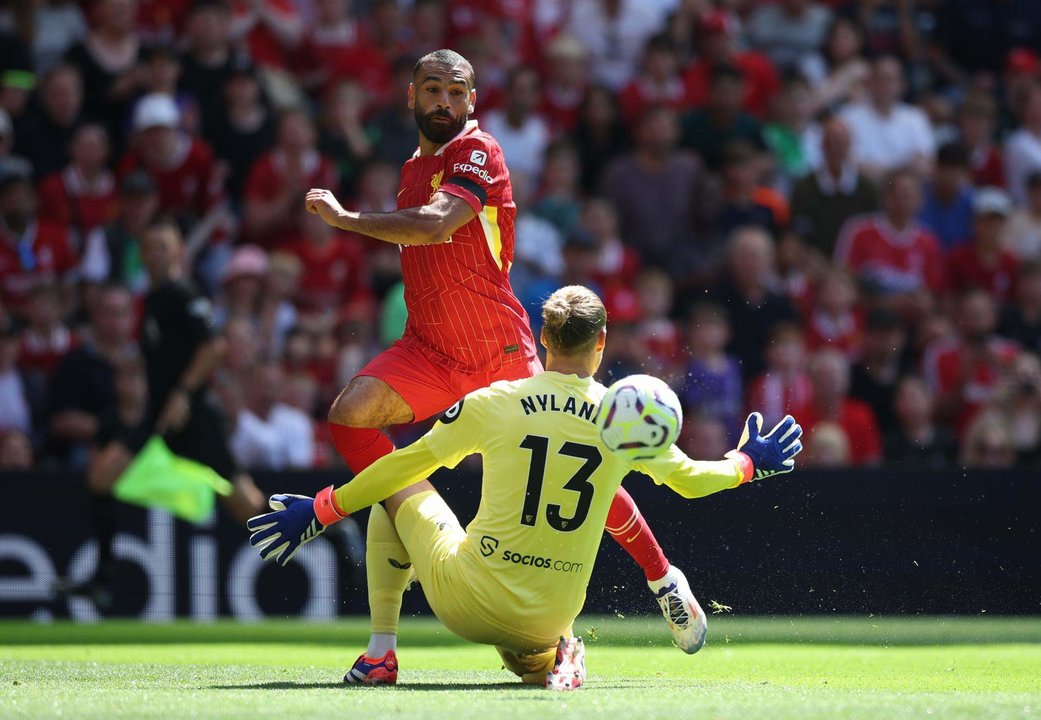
(773, 453)
(297, 520)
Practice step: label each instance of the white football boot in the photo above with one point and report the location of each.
(569, 669)
(685, 617)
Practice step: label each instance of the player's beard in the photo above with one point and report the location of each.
(440, 133)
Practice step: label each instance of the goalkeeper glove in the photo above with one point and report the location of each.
(770, 454)
(297, 520)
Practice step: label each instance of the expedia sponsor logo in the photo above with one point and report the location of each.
(474, 169)
(545, 563)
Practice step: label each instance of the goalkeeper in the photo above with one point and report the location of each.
(516, 577)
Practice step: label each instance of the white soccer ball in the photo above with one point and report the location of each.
(639, 417)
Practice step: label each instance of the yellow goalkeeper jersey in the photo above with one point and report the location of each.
(548, 484)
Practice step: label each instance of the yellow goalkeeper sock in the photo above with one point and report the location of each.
(387, 568)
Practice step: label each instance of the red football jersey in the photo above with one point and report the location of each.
(192, 184)
(894, 260)
(67, 198)
(42, 254)
(966, 269)
(460, 304)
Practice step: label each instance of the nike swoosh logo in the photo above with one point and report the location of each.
(401, 191)
(629, 540)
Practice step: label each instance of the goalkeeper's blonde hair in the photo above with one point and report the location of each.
(572, 319)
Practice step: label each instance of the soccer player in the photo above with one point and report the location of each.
(516, 577)
(466, 328)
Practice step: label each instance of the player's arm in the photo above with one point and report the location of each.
(428, 224)
(757, 456)
(299, 519)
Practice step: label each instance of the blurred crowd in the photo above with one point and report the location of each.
(824, 207)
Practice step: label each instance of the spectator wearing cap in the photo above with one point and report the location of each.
(657, 190)
(1022, 71)
(836, 191)
(614, 34)
(709, 129)
(279, 178)
(209, 55)
(894, 257)
(658, 81)
(108, 59)
(1023, 146)
(270, 30)
(717, 35)
(45, 132)
(15, 412)
(977, 118)
(789, 30)
(183, 168)
(882, 362)
(984, 262)
(32, 250)
(1024, 228)
(83, 195)
(112, 253)
(947, 198)
(242, 286)
(888, 133)
(16, 70)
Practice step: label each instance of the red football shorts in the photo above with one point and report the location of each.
(430, 388)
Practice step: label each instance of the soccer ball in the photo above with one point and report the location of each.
(639, 417)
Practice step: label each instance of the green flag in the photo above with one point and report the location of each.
(158, 478)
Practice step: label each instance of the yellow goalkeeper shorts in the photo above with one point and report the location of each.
(461, 593)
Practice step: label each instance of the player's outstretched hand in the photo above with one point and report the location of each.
(296, 521)
(773, 453)
(324, 203)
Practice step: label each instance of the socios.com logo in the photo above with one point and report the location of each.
(489, 545)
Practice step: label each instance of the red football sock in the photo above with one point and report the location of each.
(627, 526)
(359, 447)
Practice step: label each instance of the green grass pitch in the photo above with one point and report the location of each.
(763, 669)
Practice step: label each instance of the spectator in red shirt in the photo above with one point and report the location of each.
(984, 262)
(45, 339)
(833, 322)
(270, 30)
(32, 250)
(895, 258)
(784, 386)
(83, 195)
(964, 371)
(717, 39)
(830, 402)
(333, 266)
(281, 177)
(182, 167)
(335, 43)
(564, 87)
(976, 121)
(657, 81)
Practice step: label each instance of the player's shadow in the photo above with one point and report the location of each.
(419, 687)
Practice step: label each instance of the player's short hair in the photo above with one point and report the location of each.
(572, 319)
(450, 58)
